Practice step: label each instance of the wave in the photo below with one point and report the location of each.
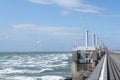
(52, 78)
(12, 71)
(31, 66)
(49, 77)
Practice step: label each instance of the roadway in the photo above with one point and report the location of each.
(108, 68)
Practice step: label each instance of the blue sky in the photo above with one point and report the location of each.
(55, 25)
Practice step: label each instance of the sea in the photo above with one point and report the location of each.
(35, 65)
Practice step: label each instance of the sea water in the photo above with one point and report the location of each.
(35, 65)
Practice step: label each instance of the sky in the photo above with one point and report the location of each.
(57, 25)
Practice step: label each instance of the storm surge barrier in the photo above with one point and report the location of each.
(95, 62)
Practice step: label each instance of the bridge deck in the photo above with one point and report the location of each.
(108, 68)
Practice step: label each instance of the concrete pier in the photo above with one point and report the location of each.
(95, 62)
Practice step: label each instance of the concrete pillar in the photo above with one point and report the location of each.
(97, 41)
(86, 42)
(93, 39)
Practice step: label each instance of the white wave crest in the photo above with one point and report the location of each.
(11, 71)
(52, 78)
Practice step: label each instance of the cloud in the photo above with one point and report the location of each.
(66, 3)
(50, 30)
(65, 12)
(62, 3)
(45, 2)
(86, 10)
(70, 6)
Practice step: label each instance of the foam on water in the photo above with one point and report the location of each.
(34, 66)
(12, 71)
(52, 78)
(49, 77)
(23, 78)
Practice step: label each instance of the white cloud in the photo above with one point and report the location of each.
(50, 30)
(62, 3)
(65, 12)
(70, 5)
(87, 10)
(45, 2)
(66, 3)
